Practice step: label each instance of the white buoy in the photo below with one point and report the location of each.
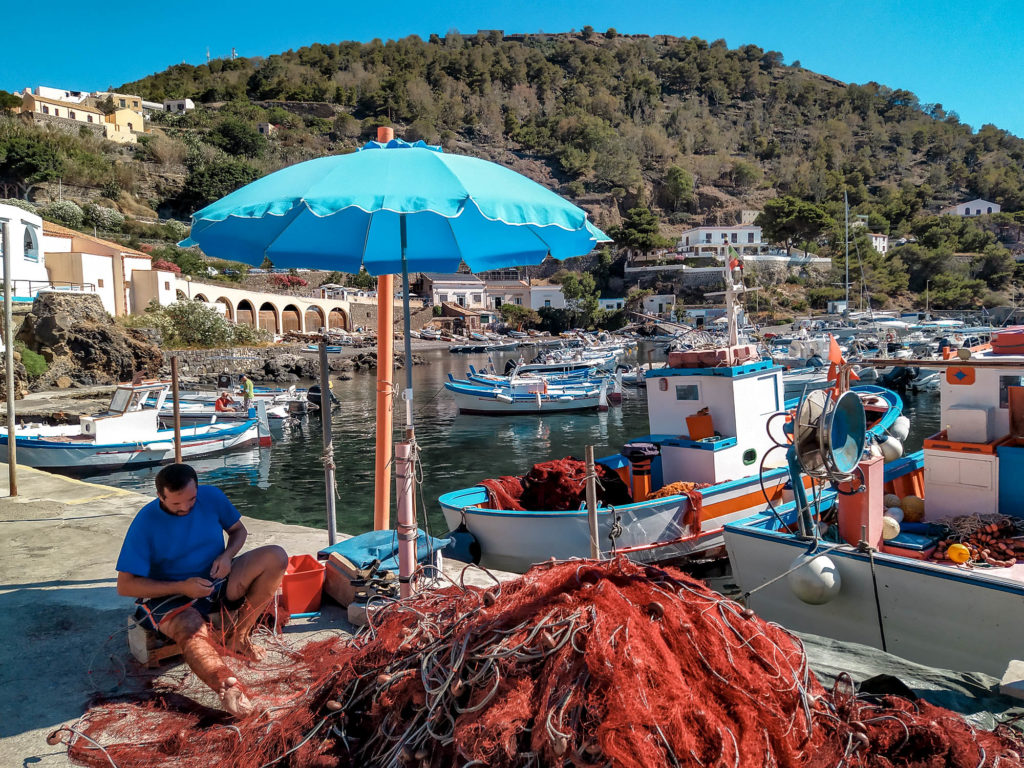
(890, 528)
(891, 448)
(540, 400)
(602, 402)
(817, 581)
(900, 428)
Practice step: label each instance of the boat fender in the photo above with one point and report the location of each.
(900, 428)
(462, 546)
(891, 448)
(505, 398)
(540, 400)
(158, 447)
(890, 527)
(814, 579)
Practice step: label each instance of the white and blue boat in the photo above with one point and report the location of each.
(127, 435)
(714, 414)
(522, 396)
(853, 568)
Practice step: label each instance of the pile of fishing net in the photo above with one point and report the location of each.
(575, 664)
(557, 486)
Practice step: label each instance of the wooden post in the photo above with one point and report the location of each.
(177, 409)
(595, 549)
(385, 390)
(328, 435)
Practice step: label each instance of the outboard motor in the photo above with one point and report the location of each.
(640, 456)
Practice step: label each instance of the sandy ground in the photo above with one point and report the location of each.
(62, 619)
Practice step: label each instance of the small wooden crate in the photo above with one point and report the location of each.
(148, 648)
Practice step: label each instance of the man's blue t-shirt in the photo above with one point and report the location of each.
(169, 547)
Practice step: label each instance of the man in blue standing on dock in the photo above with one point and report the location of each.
(175, 561)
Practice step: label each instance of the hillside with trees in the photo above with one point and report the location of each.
(650, 134)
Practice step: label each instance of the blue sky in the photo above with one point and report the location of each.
(964, 55)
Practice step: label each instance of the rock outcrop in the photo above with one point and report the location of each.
(82, 344)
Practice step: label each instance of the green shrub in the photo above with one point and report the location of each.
(193, 324)
(35, 364)
(25, 205)
(64, 212)
(102, 218)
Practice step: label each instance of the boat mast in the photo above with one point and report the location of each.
(846, 205)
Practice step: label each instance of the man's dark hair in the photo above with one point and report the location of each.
(175, 477)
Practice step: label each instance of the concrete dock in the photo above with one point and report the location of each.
(61, 618)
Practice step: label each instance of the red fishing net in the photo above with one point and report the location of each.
(575, 664)
(556, 486)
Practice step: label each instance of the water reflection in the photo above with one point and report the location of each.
(286, 482)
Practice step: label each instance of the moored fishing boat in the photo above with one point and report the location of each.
(926, 561)
(522, 396)
(127, 435)
(710, 412)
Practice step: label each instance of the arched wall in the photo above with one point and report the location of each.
(291, 319)
(245, 314)
(268, 318)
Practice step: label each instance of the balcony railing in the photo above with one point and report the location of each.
(30, 288)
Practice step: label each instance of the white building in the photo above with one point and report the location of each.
(178, 106)
(21, 238)
(59, 94)
(463, 289)
(45, 256)
(745, 239)
(659, 304)
(542, 296)
(266, 129)
(611, 305)
(977, 207)
(879, 242)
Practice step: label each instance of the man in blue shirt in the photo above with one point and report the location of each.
(174, 559)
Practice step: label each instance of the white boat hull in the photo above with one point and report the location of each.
(650, 530)
(934, 614)
(492, 405)
(85, 457)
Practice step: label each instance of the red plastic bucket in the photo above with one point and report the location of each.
(302, 585)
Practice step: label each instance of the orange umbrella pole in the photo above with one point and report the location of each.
(385, 388)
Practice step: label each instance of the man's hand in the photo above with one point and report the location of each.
(196, 587)
(221, 566)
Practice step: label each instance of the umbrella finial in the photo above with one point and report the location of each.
(385, 133)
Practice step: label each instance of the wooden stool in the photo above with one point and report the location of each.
(150, 648)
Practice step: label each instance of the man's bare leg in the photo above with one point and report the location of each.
(256, 574)
(189, 631)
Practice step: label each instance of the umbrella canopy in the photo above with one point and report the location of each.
(344, 212)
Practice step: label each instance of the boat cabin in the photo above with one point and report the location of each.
(128, 415)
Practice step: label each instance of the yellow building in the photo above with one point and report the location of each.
(122, 125)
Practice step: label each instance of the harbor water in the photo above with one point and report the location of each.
(285, 483)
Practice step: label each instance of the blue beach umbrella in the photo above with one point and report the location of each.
(392, 208)
(394, 205)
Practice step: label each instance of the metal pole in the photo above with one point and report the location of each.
(407, 333)
(328, 435)
(846, 203)
(595, 550)
(177, 409)
(12, 448)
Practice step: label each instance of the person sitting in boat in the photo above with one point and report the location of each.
(175, 562)
(224, 403)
